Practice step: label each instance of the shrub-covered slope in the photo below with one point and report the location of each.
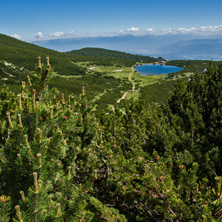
(24, 54)
(60, 163)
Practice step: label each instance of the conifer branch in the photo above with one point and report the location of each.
(36, 196)
(37, 105)
(18, 213)
(35, 182)
(30, 84)
(23, 196)
(40, 164)
(83, 91)
(39, 139)
(23, 85)
(47, 62)
(68, 179)
(4, 159)
(28, 146)
(33, 99)
(51, 112)
(57, 209)
(9, 120)
(44, 213)
(39, 65)
(20, 102)
(19, 157)
(49, 205)
(46, 148)
(20, 121)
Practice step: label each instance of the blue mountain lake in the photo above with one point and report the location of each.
(150, 69)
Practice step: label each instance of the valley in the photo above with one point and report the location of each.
(108, 76)
(111, 111)
(105, 143)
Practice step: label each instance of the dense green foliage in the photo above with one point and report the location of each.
(192, 65)
(94, 84)
(157, 93)
(8, 101)
(45, 156)
(60, 163)
(104, 56)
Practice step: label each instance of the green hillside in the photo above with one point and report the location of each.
(104, 56)
(24, 54)
(99, 52)
(103, 85)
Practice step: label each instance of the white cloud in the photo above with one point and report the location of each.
(217, 28)
(202, 30)
(150, 30)
(73, 33)
(39, 35)
(17, 36)
(133, 29)
(56, 34)
(187, 30)
(166, 31)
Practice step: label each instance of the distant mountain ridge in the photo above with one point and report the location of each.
(171, 46)
(195, 49)
(127, 43)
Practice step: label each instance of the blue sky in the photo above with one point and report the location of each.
(29, 20)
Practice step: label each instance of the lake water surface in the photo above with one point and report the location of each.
(150, 69)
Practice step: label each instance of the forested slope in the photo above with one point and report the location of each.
(104, 56)
(99, 52)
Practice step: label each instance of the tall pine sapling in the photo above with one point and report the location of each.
(49, 160)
